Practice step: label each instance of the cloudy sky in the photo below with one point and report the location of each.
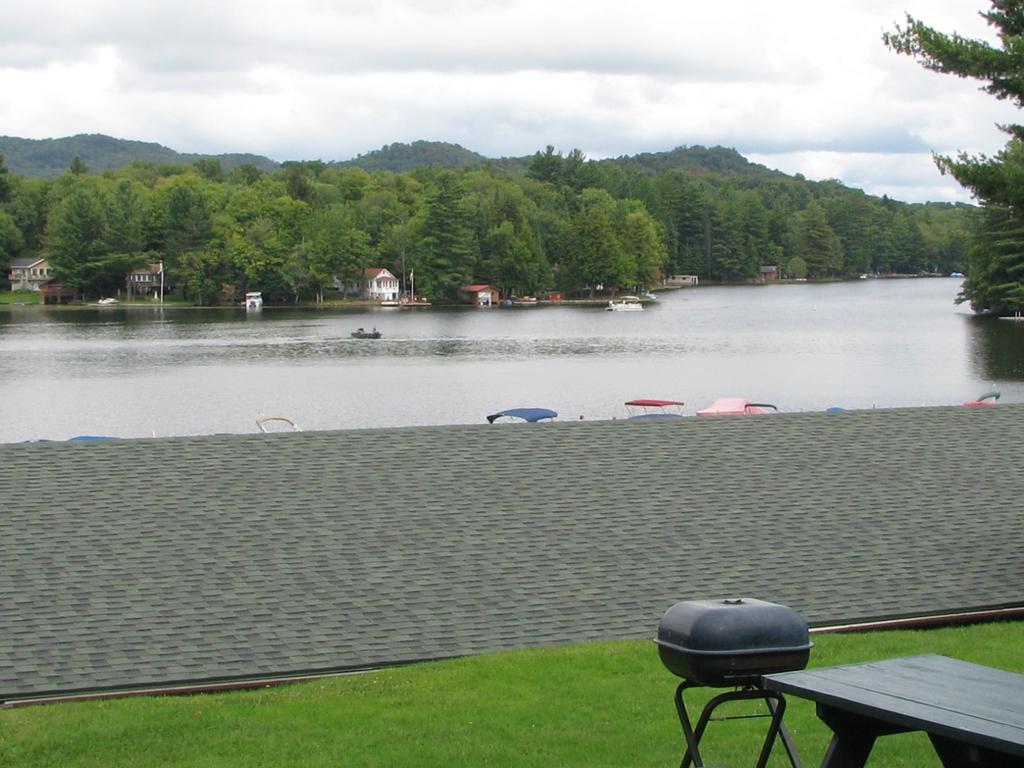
(800, 85)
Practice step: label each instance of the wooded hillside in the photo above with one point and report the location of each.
(526, 225)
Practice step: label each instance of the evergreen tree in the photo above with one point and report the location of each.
(188, 224)
(594, 256)
(997, 182)
(11, 241)
(77, 235)
(679, 204)
(546, 166)
(447, 248)
(849, 216)
(5, 182)
(126, 219)
(730, 259)
(817, 243)
(995, 276)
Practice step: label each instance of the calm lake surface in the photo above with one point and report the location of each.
(165, 371)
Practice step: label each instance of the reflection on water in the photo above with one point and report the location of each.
(997, 348)
(138, 371)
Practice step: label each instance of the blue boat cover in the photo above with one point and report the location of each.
(526, 414)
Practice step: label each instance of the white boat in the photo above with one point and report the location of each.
(625, 304)
(254, 300)
(262, 421)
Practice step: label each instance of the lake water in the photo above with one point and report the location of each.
(175, 371)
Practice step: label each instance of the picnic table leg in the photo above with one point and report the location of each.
(853, 737)
(848, 750)
(956, 754)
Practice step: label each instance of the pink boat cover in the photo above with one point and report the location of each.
(730, 406)
(655, 403)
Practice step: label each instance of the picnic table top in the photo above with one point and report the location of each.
(947, 697)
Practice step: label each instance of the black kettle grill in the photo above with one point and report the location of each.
(732, 643)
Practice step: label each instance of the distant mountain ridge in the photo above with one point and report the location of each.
(48, 158)
(404, 157)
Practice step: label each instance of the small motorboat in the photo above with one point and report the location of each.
(989, 398)
(524, 301)
(523, 414)
(254, 300)
(362, 333)
(735, 406)
(655, 409)
(625, 304)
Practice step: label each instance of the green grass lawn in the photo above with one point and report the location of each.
(600, 704)
(19, 297)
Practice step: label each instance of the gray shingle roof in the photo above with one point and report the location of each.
(138, 562)
(24, 261)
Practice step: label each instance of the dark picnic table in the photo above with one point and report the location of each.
(974, 715)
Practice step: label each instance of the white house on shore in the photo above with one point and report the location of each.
(375, 283)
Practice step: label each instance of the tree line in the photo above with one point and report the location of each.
(562, 223)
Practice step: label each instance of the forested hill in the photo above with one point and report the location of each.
(547, 222)
(49, 158)
(405, 157)
(699, 160)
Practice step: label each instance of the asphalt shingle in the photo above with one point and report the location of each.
(149, 562)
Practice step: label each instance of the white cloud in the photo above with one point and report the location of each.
(908, 176)
(800, 84)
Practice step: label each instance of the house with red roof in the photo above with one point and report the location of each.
(482, 295)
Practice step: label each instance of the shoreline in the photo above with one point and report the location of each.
(346, 304)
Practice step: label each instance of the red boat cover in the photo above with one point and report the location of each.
(655, 403)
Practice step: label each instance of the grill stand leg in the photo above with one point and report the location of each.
(776, 705)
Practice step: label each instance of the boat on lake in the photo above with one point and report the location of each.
(989, 398)
(523, 414)
(262, 421)
(362, 333)
(655, 409)
(524, 301)
(625, 304)
(413, 301)
(735, 406)
(254, 300)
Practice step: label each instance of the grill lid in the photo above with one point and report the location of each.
(732, 642)
(732, 626)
